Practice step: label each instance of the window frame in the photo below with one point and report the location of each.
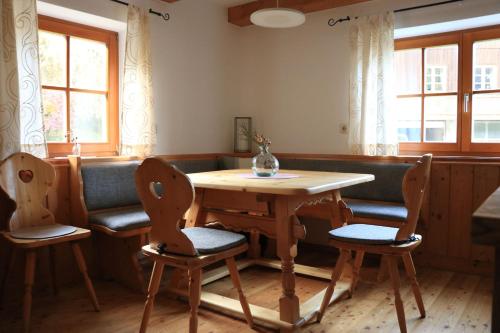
(465, 40)
(427, 42)
(110, 38)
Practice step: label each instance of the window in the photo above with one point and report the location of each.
(79, 74)
(448, 92)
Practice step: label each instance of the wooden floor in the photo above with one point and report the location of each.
(454, 302)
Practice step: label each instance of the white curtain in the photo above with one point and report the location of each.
(21, 115)
(372, 122)
(137, 120)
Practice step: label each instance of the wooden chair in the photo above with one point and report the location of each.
(190, 249)
(393, 243)
(26, 179)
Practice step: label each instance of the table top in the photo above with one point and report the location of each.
(308, 182)
(485, 228)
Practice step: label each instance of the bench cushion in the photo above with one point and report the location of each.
(387, 185)
(121, 219)
(193, 166)
(109, 185)
(207, 240)
(365, 234)
(382, 211)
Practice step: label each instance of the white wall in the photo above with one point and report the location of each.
(295, 82)
(194, 71)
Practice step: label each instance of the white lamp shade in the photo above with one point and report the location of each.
(277, 18)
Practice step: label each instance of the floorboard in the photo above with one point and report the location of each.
(454, 303)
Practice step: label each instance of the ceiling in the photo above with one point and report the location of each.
(231, 3)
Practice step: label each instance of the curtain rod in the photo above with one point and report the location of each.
(332, 21)
(165, 16)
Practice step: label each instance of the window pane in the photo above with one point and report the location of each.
(440, 114)
(409, 114)
(486, 64)
(89, 117)
(52, 58)
(441, 68)
(408, 68)
(486, 118)
(89, 64)
(54, 115)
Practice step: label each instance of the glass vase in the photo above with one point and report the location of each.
(264, 164)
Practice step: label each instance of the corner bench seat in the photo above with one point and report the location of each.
(378, 210)
(121, 219)
(378, 202)
(110, 195)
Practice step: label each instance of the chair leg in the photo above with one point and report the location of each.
(80, 260)
(394, 273)
(154, 284)
(358, 262)
(29, 277)
(53, 275)
(412, 275)
(337, 272)
(9, 266)
(194, 298)
(383, 269)
(235, 277)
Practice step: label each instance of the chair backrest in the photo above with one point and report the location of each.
(414, 183)
(165, 204)
(26, 179)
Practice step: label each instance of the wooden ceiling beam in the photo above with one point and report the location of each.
(240, 15)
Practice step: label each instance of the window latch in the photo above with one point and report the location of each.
(466, 102)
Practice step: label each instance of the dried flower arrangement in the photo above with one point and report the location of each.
(259, 139)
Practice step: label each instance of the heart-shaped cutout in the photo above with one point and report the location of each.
(26, 176)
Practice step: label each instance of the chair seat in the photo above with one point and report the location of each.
(383, 211)
(121, 219)
(365, 234)
(43, 231)
(207, 240)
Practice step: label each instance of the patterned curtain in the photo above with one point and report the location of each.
(137, 121)
(21, 115)
(372, 125)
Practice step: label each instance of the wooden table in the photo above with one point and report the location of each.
(268, 206)
(485, 230)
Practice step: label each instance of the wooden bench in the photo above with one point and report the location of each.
(379, 202)
(104, 198)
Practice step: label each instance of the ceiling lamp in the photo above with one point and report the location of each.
(277, 17)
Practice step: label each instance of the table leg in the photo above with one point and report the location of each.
(495, 318)
(287, 251)
(196, 216)
(339, 212)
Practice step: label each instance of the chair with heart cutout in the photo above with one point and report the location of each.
(26, 180)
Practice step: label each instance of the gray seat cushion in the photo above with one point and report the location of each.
(206, 240)
(121, 219)
(365, 234)
(193, 166)
(393, 212)
(109, 185)
(387, 185)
